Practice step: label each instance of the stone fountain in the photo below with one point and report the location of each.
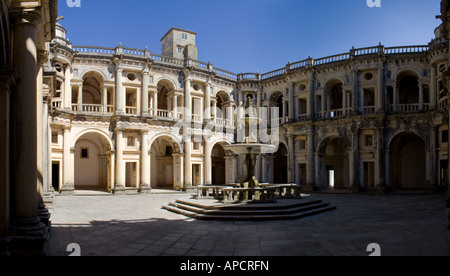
(274, 201)
(250, 149)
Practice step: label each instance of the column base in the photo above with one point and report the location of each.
(28, 237)
(119, 190)
(145, 189)
(67, 191)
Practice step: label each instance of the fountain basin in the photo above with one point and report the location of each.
(251, 148)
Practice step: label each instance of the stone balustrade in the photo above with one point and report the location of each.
(264, 193)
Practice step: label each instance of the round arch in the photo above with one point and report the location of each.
(92, 163)
(168, 82)
(333, 170)
(174, 142)
(95, 73)
(99, 132)
(408, 160)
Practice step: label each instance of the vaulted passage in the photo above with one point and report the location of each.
(92, 163)
(408, 162)
(280, 165)
(218, 165)
(334, 164)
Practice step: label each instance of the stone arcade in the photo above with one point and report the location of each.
(374, 119)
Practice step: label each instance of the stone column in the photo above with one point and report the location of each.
(175, 106)
(41, 143)
(7, 81)
(188, 163)
(187, 99)
(208, 90)
(310, 163)
(120, 110)
(311, 96)
(433, 88)
(155, 103)
(395, 96)
(354, 160)
(80, 98)
(433, 166)
(67, 89)
(344, 102)
(381, 89)
(112, 164)
(208, 163)
(120, 164)
(105, 99)
(178, 171)
(324, 101)
(27, 231)
(291, 103)
(420, 96)
(67, 184)
(145, 165)
(380, 165)
(291, 158)
(145, 81)
(355, 93)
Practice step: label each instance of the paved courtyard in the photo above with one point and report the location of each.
(403, 225)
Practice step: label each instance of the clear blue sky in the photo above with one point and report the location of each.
(253, 35)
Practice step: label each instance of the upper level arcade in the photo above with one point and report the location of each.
(132, 82)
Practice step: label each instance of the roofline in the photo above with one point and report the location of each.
(178, 29)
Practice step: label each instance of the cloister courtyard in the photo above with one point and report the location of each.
(135, 225)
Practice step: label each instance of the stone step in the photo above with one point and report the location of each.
(245, 212)
(252, 206)
(259, 212)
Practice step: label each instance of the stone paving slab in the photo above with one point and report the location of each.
(403, 225)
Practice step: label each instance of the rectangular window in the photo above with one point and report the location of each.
(180, 50)
(368, 140)
(302, 144)
(184, 36)
(84, 154)
(444, 137)
(54, 138)
(196, 146)
(131, 141)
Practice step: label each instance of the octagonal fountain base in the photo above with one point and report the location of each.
(281, 209)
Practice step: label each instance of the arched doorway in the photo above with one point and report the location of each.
(218, 168)
(408, 162)
(334, 91)
(280, 165)
(92, 163)
(163, 169)
(276, 100)
(334, 164)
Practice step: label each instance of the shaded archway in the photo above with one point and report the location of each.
(92, 164)
(280, 165)
(408, 162)
(164, 166)
(334, 90)
(218, 168)
(333, 164)
(408, 88)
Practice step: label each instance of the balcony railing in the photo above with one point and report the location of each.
(131, 110)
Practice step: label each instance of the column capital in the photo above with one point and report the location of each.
(25, 16)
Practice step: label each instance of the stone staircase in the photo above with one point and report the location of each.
(285, 209)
